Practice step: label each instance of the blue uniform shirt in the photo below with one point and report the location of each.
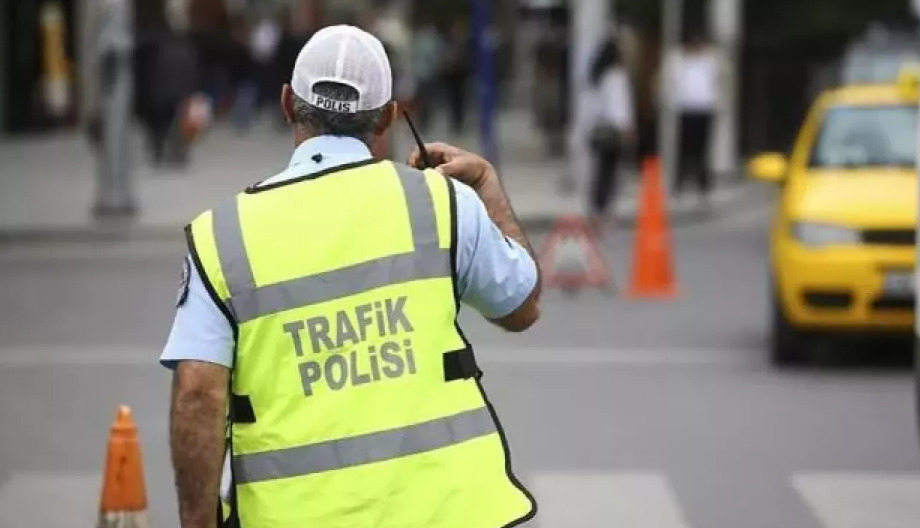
(495, 274)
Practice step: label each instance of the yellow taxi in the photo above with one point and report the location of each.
(843, 237)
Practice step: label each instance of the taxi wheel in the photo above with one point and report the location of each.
(787, 344)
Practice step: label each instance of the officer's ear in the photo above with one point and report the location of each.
(287, 103)
(387, 119)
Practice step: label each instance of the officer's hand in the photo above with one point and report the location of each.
(457, 163)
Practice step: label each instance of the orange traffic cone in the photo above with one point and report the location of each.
(124, 498)
(652, 273)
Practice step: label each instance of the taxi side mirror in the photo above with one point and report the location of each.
(769, 167)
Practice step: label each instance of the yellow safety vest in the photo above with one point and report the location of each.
(356, 400)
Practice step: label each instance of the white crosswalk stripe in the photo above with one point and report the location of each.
(593, 500)
(627, 500)
(862, 500)
(567, 499)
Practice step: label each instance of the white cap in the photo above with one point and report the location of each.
(344, 55)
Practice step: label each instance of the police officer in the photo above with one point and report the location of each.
(320, 308)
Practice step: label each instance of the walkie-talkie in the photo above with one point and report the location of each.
(418, 141)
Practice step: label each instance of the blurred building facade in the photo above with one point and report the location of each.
(786, 49)
(37, 46)
(793, 49)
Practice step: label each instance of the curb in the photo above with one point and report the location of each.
(746, 195)
(88, 234)
(114, 231)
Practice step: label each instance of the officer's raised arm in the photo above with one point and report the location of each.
(500, 211)
(500, 276)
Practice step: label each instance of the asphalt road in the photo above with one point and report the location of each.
(627, 414)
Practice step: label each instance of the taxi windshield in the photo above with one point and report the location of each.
(867, 136)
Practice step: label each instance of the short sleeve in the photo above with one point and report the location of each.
(495, 274)
(200, 331)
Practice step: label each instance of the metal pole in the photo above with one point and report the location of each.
(672, 16)
(590, 20)
(725, 21)
(485, 79)
(114, 186)
(87, 14)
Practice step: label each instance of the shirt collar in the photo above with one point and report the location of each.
(334, 150)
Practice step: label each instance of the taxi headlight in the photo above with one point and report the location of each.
(819, 235)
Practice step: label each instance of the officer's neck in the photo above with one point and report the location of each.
(301, 135)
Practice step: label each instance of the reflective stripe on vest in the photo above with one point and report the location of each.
(364, 449)
(248, 302)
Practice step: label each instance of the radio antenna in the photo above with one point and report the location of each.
(418, 141)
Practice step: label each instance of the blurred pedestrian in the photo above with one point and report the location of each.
(693, 84)
(298, 22)
(167, 76)
(551, 90)
(612, 131)
(320, 308)
(427, 59)
(209, 29)
(456, 73)
(264, 42)
(243, 73)
(256, 51)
